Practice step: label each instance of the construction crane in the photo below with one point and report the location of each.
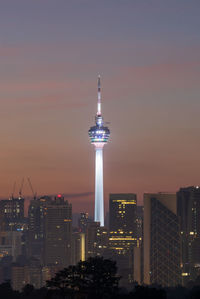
(13, 190)
(20, 189)
(31, 187)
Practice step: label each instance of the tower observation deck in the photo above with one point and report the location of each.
(99, 135)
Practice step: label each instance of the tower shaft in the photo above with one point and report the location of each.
(99, 202)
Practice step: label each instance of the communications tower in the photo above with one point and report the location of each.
(99, 135)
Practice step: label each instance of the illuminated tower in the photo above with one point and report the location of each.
(99, 136)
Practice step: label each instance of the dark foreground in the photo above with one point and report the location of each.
(96, 278)
(139, 292)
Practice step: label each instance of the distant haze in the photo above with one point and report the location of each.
(148, 55)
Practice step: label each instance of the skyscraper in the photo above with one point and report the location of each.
(139, 221)
(96, 239)
(57, 232)
(36, 214)
(188, 209)
(123, 233)
(78, 247)
(161, 240)
(99, 135)
(123, 227)
(12, 211)
(138, 251)
(123, 211)
(83, 220)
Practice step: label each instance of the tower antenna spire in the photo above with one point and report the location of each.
(99, 96)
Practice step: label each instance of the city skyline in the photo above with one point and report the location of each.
(150, 85)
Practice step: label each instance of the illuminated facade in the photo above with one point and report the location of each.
(123, 211)
(78, 247)
(123, 233)
(96, 240)
(99, 135)
(122, 224)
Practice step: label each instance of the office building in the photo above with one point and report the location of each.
(123, 233)
(35, 233)
(57, 232)
(19, 277)
(83, 220)
(96, 239)
(122, 212)
(122, 221)
(139, 250)
(12, 211)
(161, 240)
(188, 209)
(139, 221)
(78, 247)
(10, 244)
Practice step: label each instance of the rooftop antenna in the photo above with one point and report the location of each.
(99, 97)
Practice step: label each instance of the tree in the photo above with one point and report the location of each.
(146, 292)
(6, 291)
(195, 292)
(28, 291)
(94, 278)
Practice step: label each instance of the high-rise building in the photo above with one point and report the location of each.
(10, 244)
(5, 268)
(12, 227)
(36, 213)
(12, 211)
(122, 221)
(123, 233)
(99, 135)
(138, 264)
(23, 274)
(57, 232)
(188, 209)
(96, 239)
(139, 221)
(83, 220)
(161, 240)
(78, 247)
(123, 212)
(19, 277)
(138, 250)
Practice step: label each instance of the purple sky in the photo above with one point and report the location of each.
(148, 53)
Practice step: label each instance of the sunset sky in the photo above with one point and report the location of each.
(148, 55)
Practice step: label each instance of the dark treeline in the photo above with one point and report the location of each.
(138, 292)
(95, 278)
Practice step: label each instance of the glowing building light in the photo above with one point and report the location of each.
(99, 135)
(185, 274)
(82, 237)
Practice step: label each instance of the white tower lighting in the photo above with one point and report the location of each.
(99, 136)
